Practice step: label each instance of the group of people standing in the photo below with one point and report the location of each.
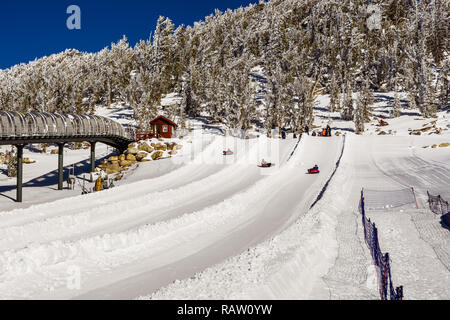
(326, 132)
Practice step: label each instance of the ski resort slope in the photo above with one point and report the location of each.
(134, 239)
(323, 254)
(419, 247)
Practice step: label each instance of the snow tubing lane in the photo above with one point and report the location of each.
(295, 148)
(331, 177)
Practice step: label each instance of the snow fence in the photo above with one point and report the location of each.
(380, 260)
(389, 199)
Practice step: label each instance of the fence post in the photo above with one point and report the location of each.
(399, 293)
(375, 243)
(386, 270)
(363, 210)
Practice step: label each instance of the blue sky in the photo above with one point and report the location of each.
(33, 29)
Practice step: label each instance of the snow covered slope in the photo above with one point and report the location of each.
(150, 236)
(207, 226)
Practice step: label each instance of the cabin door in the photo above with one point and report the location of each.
(158, 130)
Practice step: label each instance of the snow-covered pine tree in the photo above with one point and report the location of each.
(335, 98)
(396, 106)
(347, 112)
(443, 85)
(359, 114)
(366, 99)
(163, 48)
(419, 64)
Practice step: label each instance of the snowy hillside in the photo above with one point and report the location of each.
(202, 225)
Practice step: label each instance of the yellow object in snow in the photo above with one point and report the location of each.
(98, 184)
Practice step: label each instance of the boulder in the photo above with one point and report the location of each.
(114, 165)
(434, 146)
(157, 155)
(161, 147)
(112, 171)
(112, 168)
(382, 133)
(170, 146)
(131, 157)
(122, 157)
(113, 158)
(172, 153)
(444, 145)
(28, 161)
(141, 155)
(132, 145)
(382, 123)
(132, 150)
(125, 163)
(145, 147)
(54, 151)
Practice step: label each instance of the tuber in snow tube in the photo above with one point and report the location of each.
(312, 171)
(227, 153)
(266, 165)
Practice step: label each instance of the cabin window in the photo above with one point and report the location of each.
(165, 128)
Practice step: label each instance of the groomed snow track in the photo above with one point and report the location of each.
(136, 238)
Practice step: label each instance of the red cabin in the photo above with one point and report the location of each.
(161, 127)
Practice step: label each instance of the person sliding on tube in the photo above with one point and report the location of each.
(263, 162)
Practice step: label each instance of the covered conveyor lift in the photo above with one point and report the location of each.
(20, 129)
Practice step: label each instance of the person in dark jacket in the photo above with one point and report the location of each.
(307, 130)
(328, 131)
